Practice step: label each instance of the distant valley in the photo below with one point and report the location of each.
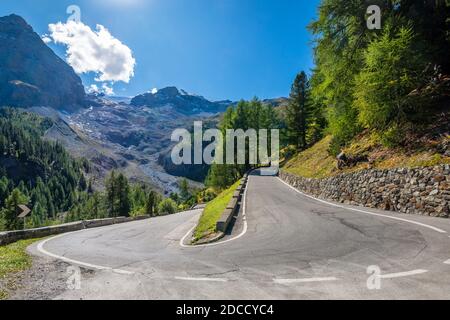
(130, 134)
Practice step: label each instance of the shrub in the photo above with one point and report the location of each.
(392, 137)
(167, 206)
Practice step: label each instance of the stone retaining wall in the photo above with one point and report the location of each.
(424, 191)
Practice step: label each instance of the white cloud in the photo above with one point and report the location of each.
(154, 91)
(46, 39)
(93, 88)
(108, 90)
(94, 51)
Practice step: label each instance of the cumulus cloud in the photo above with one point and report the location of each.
(108, 90)
(93, 88)
(94, 51)
(46, 39)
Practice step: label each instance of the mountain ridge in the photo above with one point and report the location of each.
(31, 73)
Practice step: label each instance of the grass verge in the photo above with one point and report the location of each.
(316, 162)
(13, 259)
(207, 223)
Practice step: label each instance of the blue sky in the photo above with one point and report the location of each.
(222, 49)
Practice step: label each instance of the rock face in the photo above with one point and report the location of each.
(31, 74)
(424, 191)
(180, 101)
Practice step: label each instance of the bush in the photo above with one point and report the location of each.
(392, 137)
(167, 206)
(343, 126)
(393, 68)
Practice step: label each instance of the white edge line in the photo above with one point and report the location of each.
(40, 248)
(403, 274)
(363, 211)
(447, 262)
(244, 231)
(305, 280)
(201, 279)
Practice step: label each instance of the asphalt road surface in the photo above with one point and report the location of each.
(285, 245)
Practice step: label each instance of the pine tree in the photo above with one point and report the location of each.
(123, 196)
(90, 189)
(298, 111)
(111, 194)
(151, 203)
(38, 215)
(184, 190)
(82, 183)
(12, 203)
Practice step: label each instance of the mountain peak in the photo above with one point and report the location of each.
(13, 18)
(168, 91)
(14, 21)
(32, 74)
(178, 99)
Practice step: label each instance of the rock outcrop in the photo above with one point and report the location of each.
(31, 74)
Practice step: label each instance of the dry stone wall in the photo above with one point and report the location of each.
(424, 191)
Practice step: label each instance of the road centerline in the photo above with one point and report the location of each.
(202, 279)
(403, 274)
(305, 280)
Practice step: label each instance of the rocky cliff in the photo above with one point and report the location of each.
(180, 101)
(31, 74)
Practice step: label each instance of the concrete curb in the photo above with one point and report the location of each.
(8, 237)
(232, 207)
(226, 217)
(218, 236)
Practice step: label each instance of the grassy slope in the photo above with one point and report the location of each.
(207, 223)
(13, 259)
(315, 162)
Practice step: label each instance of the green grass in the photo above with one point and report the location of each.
(207, 223)
(13, 259)
(314, 162)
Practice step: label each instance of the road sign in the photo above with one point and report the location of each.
(23, 211)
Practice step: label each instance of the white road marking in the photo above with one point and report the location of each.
(201, 279)
(447, 262)
(244, 230)
(363, 211)
(40, 248)
(402, 274)
(305, 280)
